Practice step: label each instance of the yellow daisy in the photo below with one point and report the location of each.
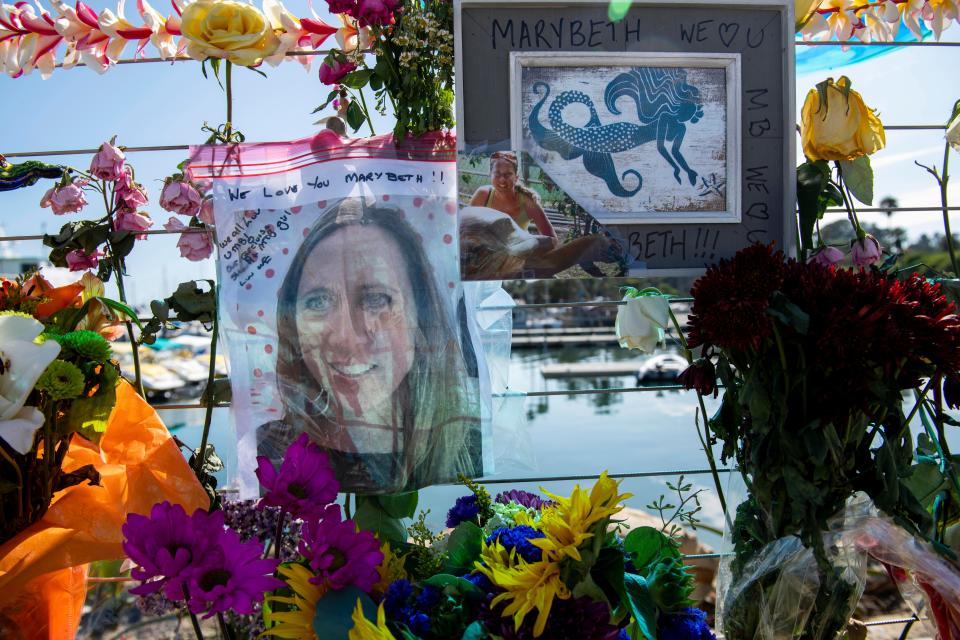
(363, 629)
(527, 585)
(573, 520)
(296, 624)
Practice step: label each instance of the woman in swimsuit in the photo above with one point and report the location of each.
(491, 251)
(507, 194)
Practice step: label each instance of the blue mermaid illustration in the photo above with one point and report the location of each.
(665, 102)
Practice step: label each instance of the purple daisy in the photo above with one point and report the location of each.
(164, 545)
(338, 553)
(523, 498)
(573, 619)
(233, 577)
(305, 483)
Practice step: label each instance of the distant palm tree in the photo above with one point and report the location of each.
(889, 204)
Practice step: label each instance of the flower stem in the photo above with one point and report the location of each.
(193, 616)
(278, 536)
(224, 628)
(346, 505)
(208, 398)
(16, 468)
(705, 436)
(848, 202)
(228, 83)
(943, 180)
(366, 111)
(118, 268)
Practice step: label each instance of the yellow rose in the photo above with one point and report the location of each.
(225, 29)
(837, 125)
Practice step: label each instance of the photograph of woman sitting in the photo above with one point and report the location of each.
(369, 362)
(505, 232)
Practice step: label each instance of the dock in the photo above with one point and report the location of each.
(591, 369)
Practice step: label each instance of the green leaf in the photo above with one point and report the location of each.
(463, 548)
(371, 516)
(333, 618)
(7, 487)
(357, 79)
(376, 82)
(812, 178)
(122, 243)
(607, 573)
(190, 302)
(476, 631)
(355, 116)
(399, 505)
(641, 605)
(455, 585)
(858, 176)
(788, 313)
(647, 545)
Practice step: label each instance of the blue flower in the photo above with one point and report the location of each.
(519, 538)
(688, 624)
(395, 600)
(428, 598)
(465, 508)
(420, 624)
(623, 635)
(481, 581)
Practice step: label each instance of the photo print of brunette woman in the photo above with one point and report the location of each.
(524, 226)
(343, 311)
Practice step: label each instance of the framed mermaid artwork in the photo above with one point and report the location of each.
(633, 137)
(668, 126)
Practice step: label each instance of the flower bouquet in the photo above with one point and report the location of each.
(517, 566)
(814, 361)
(56, 380)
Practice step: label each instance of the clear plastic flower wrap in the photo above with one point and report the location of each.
(771, 592)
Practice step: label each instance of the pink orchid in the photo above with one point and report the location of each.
(193, 245)
(107, 164)
(350, 37)
(68, 198)
(27, 41)
(132, 221)
(77, 260)
(180, 197)
(332, 71)
(293, 33)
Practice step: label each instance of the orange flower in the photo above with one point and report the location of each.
(53, 298)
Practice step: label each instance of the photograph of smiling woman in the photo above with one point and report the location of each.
(369, 363)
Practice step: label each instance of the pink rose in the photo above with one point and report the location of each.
(865, 251)
(193, 245)
(130, 195)
(107, 164)
(826, 256)
(132, 221)
(376, 12)
(180, 197)
(333, 71)
(66, 199)
(77, 260)
(206, 212)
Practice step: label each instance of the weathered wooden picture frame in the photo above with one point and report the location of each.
(500, 43)
(684, 105)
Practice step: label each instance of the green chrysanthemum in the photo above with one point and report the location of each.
(87, 344)
(15, 313)
(61, 380)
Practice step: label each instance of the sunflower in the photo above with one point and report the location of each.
(296, 623)
(363, 629)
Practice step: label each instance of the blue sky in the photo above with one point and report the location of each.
(166, 104)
